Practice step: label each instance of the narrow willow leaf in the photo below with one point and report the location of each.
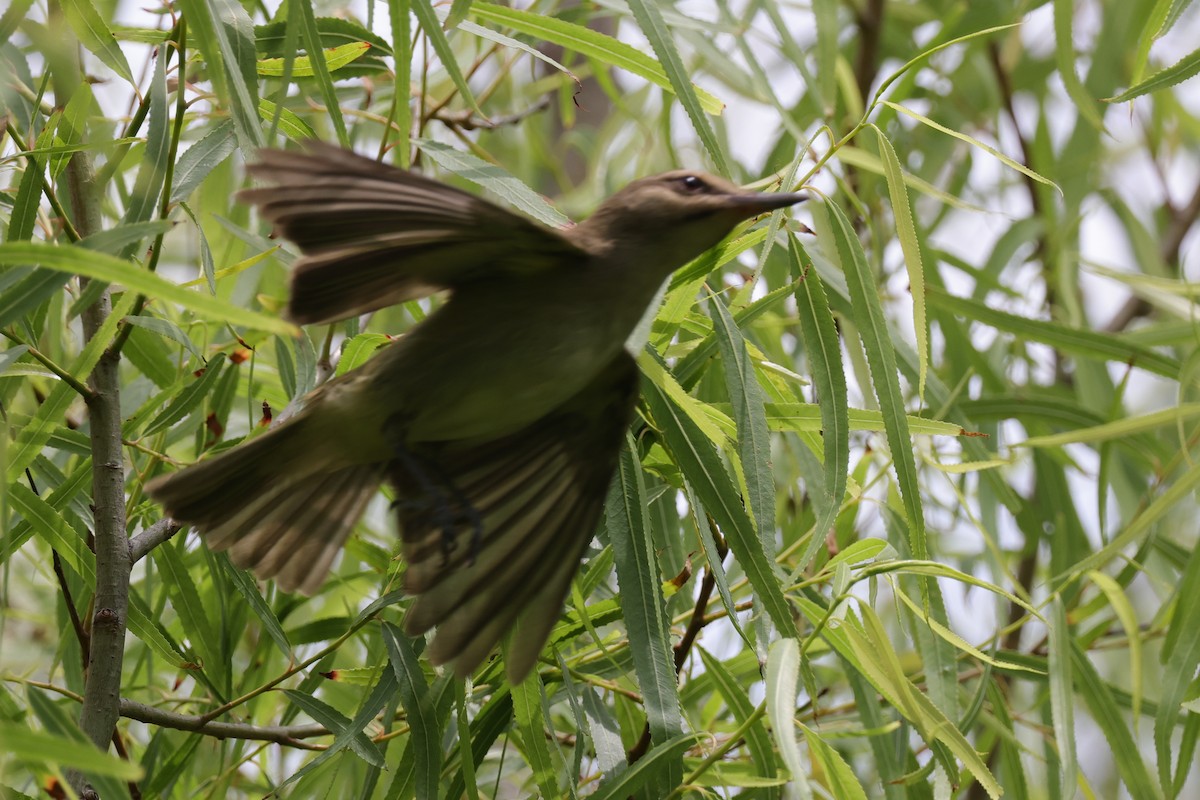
(423, 9)
(302, 66)
(650, 20)
(1008, 162)
(188, 399)
(783, 681)
(1108, 715)
(345, 729)
(527, 711)
(703, 469)
(19, 741)
(349, 733)
(254, 599)
(954, 640)
(199, 160)
(642, 603)
(508, 41)
(34, 435)
(906, 232)
(492, 720)
(193, 615)
(822, 348)
(292, 126)
(839, 777)
(1065, 59)
(715, 565)
(359, 350)
(881, 356)
(1181, 656)
(1076, 341)
(592, 44)
(647, 768)
(749, 414)
(1117, 430)
(1062, 694)
(495, 180)
(302, 13)
(1169, 500)
(733, 693)
(164, 328)
(109, 269)
(225, 36)
(152, 167)
(825, 13)
(882, 667)
(426, 734)
(29, 293)
(401, 26)
(93, 33)
(1183, 69)
(717, 426)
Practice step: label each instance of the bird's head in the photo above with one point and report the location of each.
(678, 215)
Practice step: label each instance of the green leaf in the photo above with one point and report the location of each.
(753, 441)
(703, 469)
(94, 34)
(592, 44)
(199, 160)
(647, 768)
(823, 350)
(1108, 716)
(426, 734)
(423, 9)
(225, 36)
(101, 267)
(1181, 657)
(1183, 69)
(877, 342)
(906, 232)
(302, 66)
(495, 180)
(642, 603)
(21, 742)
(783, 681)
(650, 19)
(188, 399)
(531, 723)
(1008, 162)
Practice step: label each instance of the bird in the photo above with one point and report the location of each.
(497, 420)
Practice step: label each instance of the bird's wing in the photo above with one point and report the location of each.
(534, 498)
(373, 235)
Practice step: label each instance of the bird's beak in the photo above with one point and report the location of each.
(745, 206)
(752, 204)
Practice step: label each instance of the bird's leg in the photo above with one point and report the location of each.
(448, 507)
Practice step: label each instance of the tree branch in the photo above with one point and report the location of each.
(289, 735)
(152, 537)
(102, 689)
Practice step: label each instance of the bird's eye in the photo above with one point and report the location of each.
(692, 183)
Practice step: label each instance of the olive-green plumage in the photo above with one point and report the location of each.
(497, 420)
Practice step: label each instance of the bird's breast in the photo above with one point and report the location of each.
(490, 363)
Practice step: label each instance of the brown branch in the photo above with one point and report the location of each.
(870, 23)
(152, 537)
(288, 735)
(102, 687)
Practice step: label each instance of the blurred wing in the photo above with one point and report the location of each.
(537, 496)
(373, 235)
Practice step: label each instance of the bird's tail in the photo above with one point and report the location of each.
(275, 503)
